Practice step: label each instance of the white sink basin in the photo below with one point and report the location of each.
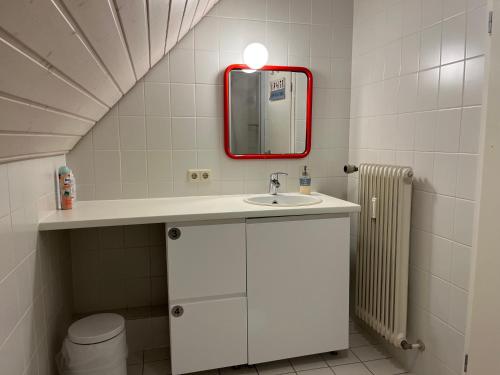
(283, 200)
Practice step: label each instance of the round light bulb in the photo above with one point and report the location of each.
(255, 55)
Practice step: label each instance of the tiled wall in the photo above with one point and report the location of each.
(417, 75)
(118, 267)
(172, 119)
(35, 270)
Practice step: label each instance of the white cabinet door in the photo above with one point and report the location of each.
(298, 286)
(206, 265)
(206, 260)
(208, 335)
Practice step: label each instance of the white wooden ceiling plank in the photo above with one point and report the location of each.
(15, 145)
(41, 27)
(174, 23)
(99, 23)
(24, 117)
(187, 20)
(200, 11)
(158, 21)
(25, 77)
(210, 5)
(134, 19)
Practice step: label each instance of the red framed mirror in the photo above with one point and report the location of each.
(267, 112)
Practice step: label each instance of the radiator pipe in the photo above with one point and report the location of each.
(350, 168)
(405, 345)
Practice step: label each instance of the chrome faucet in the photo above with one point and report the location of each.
(274, 183)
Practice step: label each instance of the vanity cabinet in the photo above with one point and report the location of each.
(206, 266)
(297, 286)
(257, 290)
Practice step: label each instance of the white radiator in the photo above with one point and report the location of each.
(382, 259)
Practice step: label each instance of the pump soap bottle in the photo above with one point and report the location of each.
(305, 182)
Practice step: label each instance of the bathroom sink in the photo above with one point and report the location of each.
(283, 200)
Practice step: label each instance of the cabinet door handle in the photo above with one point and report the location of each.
(174, 233)
(177, 311)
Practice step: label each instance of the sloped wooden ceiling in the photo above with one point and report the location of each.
(64, 63)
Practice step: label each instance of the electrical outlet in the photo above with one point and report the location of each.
(205, 175)
(199, 175)
(193, 175)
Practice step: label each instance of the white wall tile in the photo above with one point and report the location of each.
(300, 11)
(469, 130)
(445, 173)
(107, 166)
(441, 257)
(460, 269)
(160, 73)
(430, 47)
(182, 66)
(453, 7)
(159, 165)
(206, 34)
(157, 96)
(299, 39)
(458, 309)
(133, 166)
(476, 32)
(432, 11)
(183, 133)
(208, 100)
(106, 134)
(278, 10)
(428, 84)
(453, 39)
(158, 133)
(132, 132)
(425, 130)
(410, 53)
(182, 99)
(207, 67)
(440, 293)
(132, 103)
(463, 222)
(473, 88)
(209, 133)
(450, 85)
(467, 176)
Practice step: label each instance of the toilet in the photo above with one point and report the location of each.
(95, 345)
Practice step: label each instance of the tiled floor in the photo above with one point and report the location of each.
(365, 357)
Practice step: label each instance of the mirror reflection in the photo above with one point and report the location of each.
(267, 112)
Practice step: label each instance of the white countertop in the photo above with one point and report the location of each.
(87, 214)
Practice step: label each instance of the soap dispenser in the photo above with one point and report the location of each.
(305, 182)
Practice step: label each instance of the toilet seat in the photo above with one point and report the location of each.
(96, 328)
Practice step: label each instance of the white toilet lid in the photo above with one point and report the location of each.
(96, 328)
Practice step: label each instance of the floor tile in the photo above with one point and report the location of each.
(343, 357)
(275, 368)
(159, 354)
(317, 371)
(357, 339)
(361, 339)
(240, 370)
(385, 367)
(157, 368)
(309, 362)
(353, 369)
(134, 369)
(370, 353)
(354, 328)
